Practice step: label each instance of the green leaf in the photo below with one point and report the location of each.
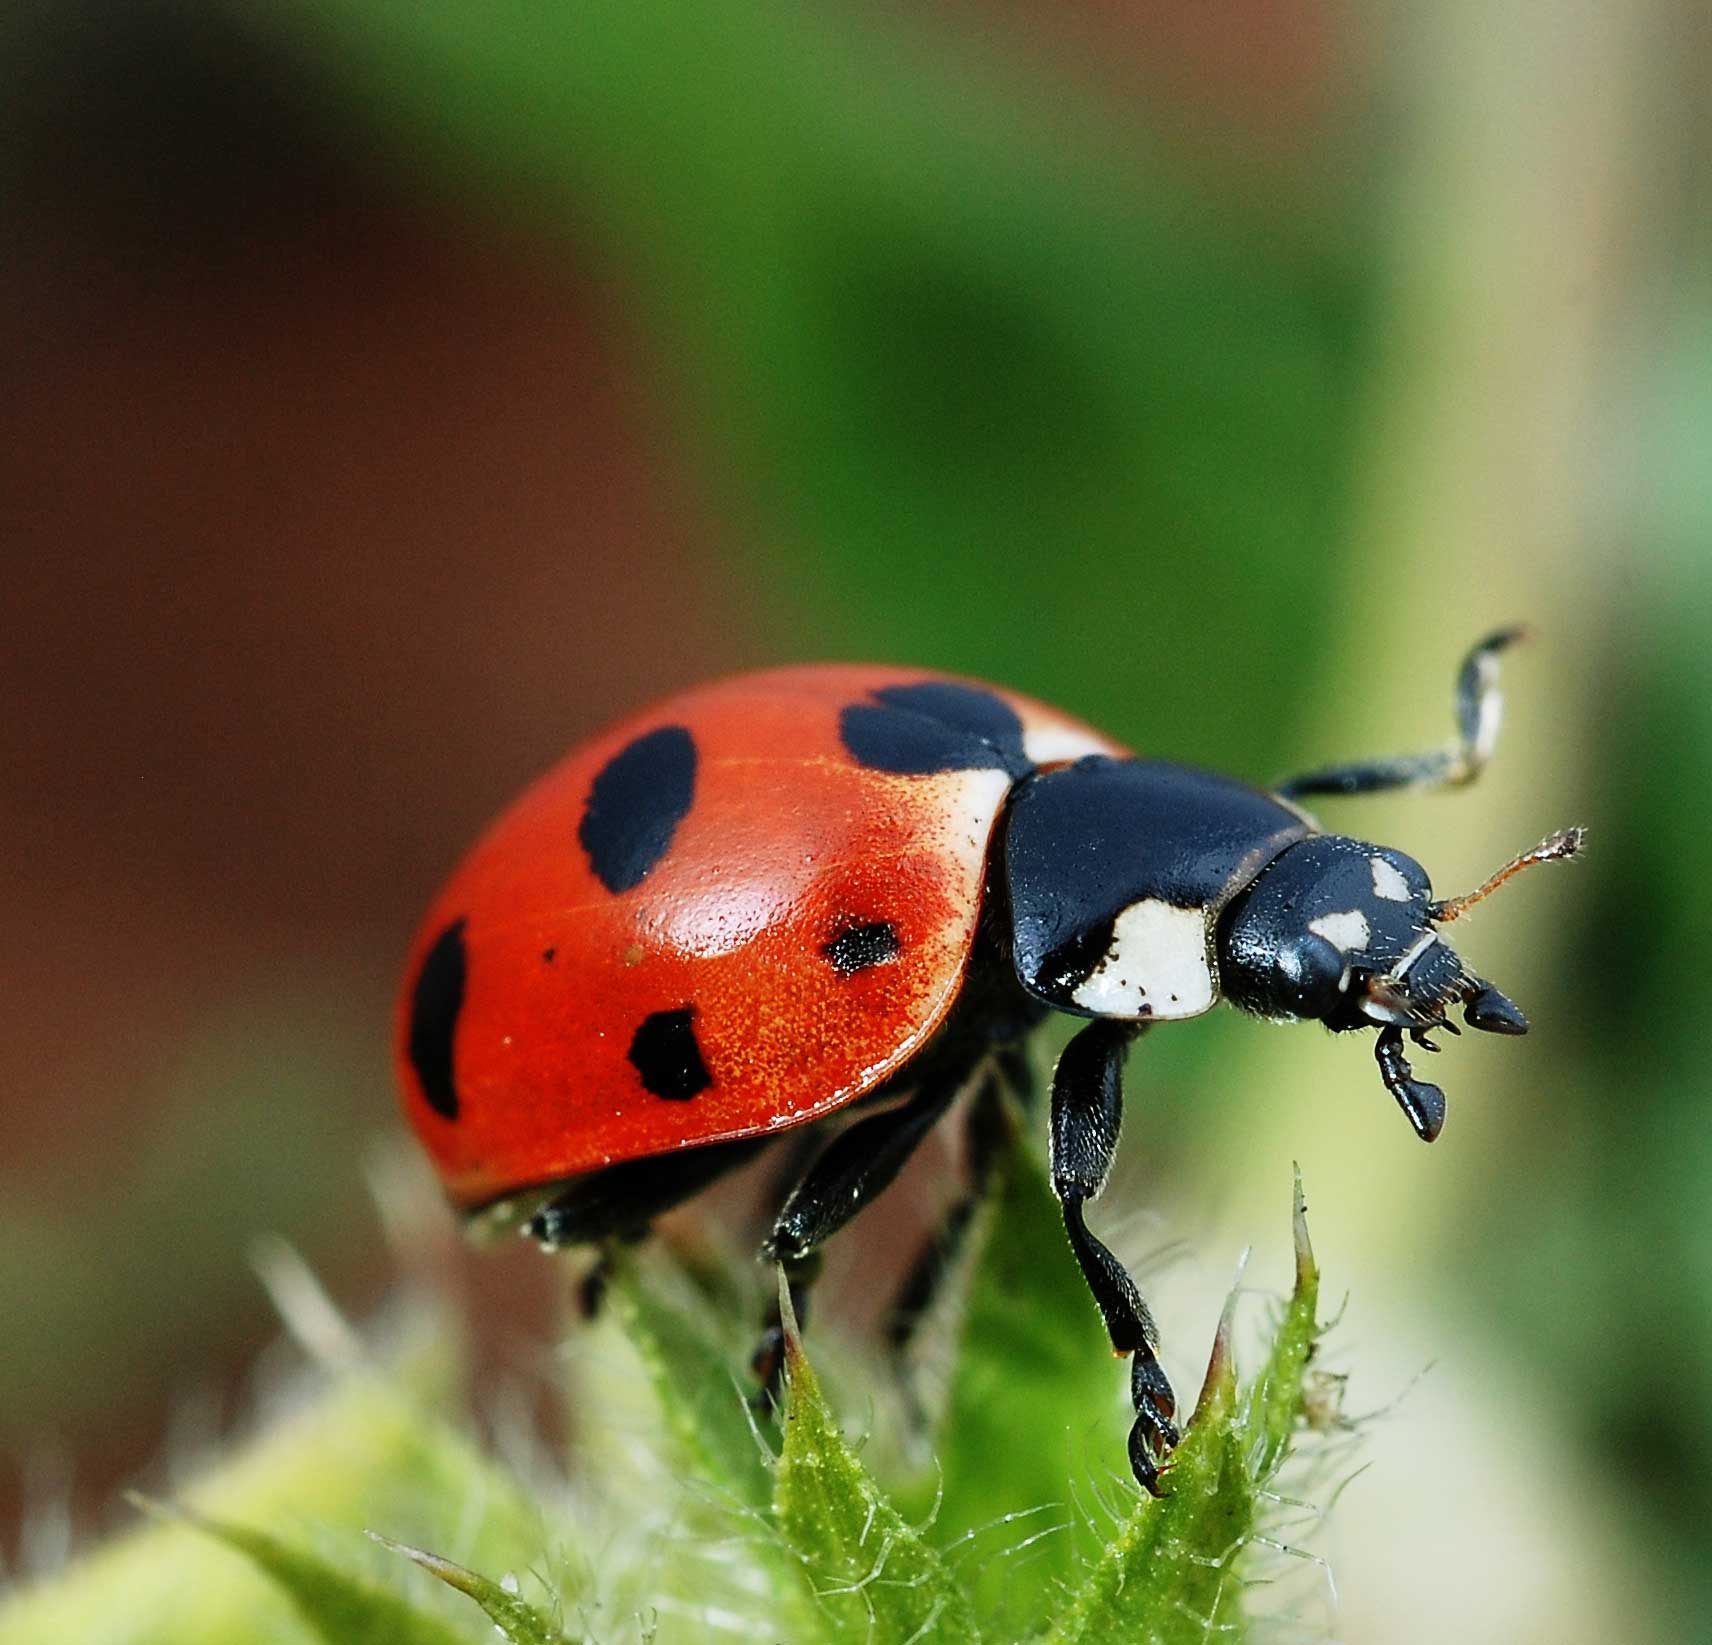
(877, 1580)
(692, 1369)
(339, 1607)
(1275, 1400)
(1171, 1576)
(371, 1448)
(519, 1621)
(1036, 1398)
(679, 1480)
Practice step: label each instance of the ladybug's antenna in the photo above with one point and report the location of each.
(1559, 847)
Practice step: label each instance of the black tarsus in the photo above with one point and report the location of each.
(852, 1169)
(855, 1167)
(614, 1207)
(1087, 1109)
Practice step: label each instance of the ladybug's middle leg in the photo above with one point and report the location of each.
(1087, 1108)
(851, 1170)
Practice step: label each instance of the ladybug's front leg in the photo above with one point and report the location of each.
(1479, 707)
(1087, 1109)
(851, 1170)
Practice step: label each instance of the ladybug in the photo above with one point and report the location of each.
(783, 899)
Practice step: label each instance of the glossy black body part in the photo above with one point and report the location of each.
(434, 1008)
(621, 1201)
(855, 1166)
(635, 805)
(1087, 1112)
(1422, 1104)
(971, 1054)
(1123, 891)
(1088, 840)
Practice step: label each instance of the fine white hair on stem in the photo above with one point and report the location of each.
(932, 1517)
(962, 1545)
(768, 1455)
(309, 1315)
(1291, 1551)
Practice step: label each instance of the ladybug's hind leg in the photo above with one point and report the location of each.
(1087, 1108)
(986, 1134)
(616, 1206)
(854, 1168)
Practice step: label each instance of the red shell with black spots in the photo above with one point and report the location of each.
(735, 912)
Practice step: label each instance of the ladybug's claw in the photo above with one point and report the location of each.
(1159, 1431)
(1155, 1404)
(1154, 1434)
(1146, 1463)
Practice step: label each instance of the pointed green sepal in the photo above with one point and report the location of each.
(1035, 1413)
(337, 1605)
(691, 1368)
(519, 1621)
(1275, 1401)
(876, 1580)
(1172, 1574)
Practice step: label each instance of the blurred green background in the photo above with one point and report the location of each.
(391, 392)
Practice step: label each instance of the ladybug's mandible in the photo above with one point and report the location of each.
(779, 897)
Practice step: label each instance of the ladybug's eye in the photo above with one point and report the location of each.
(1309, 971)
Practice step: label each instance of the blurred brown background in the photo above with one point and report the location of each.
(328, 528)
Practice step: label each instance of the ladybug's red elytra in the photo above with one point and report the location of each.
(779, 897)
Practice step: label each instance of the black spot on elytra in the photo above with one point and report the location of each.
(664, 1052)
(434, 1006)
(860, 946)
(549, 954)
(635, 805)
(914, 730)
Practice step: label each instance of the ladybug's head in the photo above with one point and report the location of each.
(1349, 934)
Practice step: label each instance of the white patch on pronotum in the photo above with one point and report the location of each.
(1156, 965)
(1055, 744)
(1388, 881)
(1348, 931)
